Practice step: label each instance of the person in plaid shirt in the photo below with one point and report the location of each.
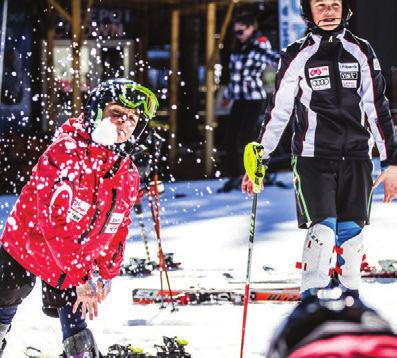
(248, 60)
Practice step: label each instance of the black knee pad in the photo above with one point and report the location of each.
(54, 298)
(16, 283)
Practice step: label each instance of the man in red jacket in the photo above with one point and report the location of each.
(72, 217)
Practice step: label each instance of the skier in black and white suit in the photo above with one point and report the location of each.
(331, 83)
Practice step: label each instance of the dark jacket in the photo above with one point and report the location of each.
(247, 63)
(334, 89)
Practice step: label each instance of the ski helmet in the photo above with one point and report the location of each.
(317, 318)
(308, 16)
(128, 94)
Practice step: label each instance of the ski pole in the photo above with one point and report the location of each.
(157, 202)
(248, 275)
(255, 170)
(159, 248)
(155, 209)
(156, 218)
(139, 214)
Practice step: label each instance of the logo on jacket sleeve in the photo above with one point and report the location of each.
(376, 64)
(318, 71)
(114, 222)
(320, 84)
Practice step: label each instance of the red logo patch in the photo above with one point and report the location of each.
(315, 72)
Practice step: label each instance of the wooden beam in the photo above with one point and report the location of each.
(193, 9)
(210, 100)
(219, 42)
(87, 13)
(85, 20)
(76, 33)
(173, 110)
(51, 91)
(61, 10)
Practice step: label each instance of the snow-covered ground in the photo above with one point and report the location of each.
(208, 232)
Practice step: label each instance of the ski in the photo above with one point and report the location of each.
(32, 352)
(202, 296)
(383, 269)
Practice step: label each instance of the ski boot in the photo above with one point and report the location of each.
(173, 348)
(136, 267)
(4, 328)
(2, 346)
(169, 262)
(81, 345)
(117, 351)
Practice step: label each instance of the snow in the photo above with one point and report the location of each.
(208, 232)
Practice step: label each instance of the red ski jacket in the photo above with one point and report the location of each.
(73, 215)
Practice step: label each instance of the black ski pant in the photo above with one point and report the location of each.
(242, 128)
(16, 283)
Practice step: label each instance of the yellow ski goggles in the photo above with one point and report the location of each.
(136, 95)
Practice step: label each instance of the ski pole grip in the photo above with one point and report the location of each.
(254, 164)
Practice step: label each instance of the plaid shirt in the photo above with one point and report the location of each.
(246, 68)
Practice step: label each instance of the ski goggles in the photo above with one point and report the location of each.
(135, 95)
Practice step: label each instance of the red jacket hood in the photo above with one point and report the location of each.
(75, 126)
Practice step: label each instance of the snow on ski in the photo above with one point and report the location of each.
(383, 269)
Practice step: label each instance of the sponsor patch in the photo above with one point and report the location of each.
(321, 84)
(349, 83)
(114, 222)
(318, 71)
(348, 67)
(78, 209)
(349, 75)
(376, 64)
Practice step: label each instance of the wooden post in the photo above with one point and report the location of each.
(173, 110)
(76, 30)
(61, 11)
(85, 21)
(51, 91)
(225, 24)
(210, 100)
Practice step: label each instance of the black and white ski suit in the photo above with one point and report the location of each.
(334, 89)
